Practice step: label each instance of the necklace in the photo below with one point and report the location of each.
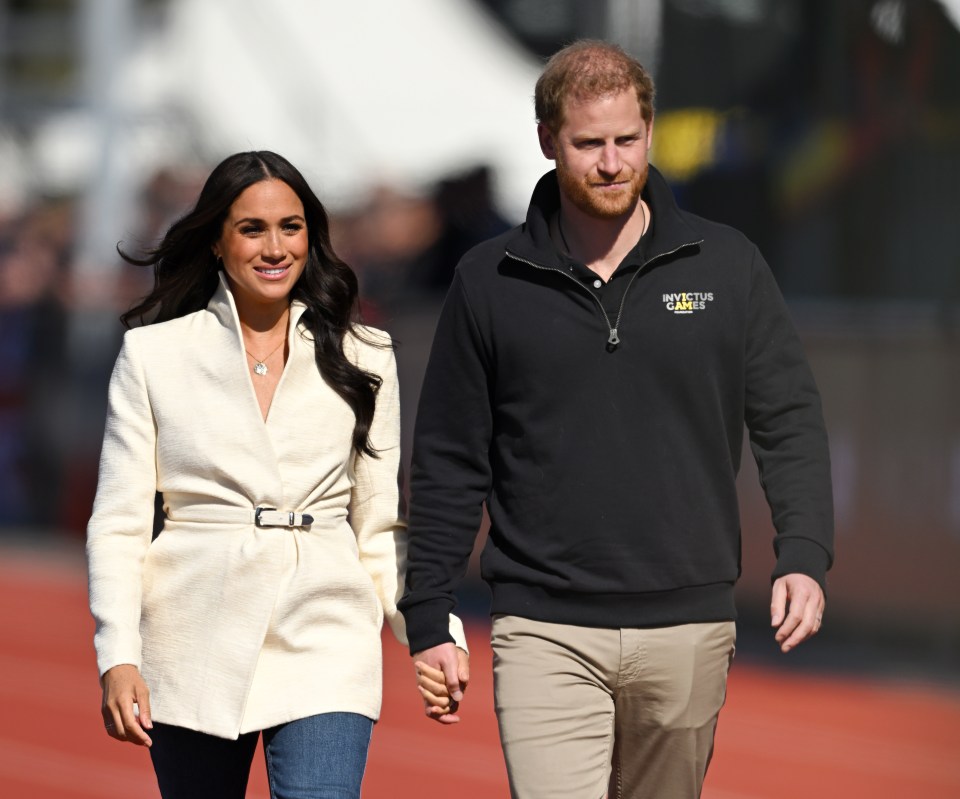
(563, 238)
(260, 368)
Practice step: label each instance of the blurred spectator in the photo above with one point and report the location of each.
(465, 202)
(386, 241)
(405, 247)
(33, 251)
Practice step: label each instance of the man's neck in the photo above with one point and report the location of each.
(601, 244)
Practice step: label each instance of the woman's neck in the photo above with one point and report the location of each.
(263, 320)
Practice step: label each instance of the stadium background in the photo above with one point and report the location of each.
(828, 132)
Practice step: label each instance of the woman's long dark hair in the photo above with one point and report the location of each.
(185, 276)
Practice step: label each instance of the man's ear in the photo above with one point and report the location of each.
(547, 145)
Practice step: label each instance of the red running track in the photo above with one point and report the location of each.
(781, 735)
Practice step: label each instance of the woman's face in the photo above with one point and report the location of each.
(264, 243)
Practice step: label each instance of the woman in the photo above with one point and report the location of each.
(269, 423)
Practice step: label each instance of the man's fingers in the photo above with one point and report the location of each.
(800, 598)
(441, 678)
(453, 683)
(778, 603)
(794, 617)
(463, 668)
(443, 717)
(450, 666)
(429, 673)
(800, 634)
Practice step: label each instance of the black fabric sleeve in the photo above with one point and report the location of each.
(787, 433)
(450, 475)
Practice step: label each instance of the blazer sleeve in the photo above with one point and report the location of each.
(377, 506)
(119, 531)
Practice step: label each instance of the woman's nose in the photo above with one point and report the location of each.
(273, 244)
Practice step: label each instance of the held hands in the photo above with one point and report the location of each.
(796, 609)
(442, 675)
(123, 687)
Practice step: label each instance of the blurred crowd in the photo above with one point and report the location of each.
(403, 247)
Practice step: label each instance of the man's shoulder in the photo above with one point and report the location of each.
(479, 263)
(720, 244)
(711, 230)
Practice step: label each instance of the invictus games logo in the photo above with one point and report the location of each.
(687, 301)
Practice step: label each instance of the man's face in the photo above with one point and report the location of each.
(601, 154)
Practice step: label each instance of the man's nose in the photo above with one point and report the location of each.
(610, 162)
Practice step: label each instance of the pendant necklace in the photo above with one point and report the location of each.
(260, 367)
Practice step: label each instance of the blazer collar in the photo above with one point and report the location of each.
(224, 307)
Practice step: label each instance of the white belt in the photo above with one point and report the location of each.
(231, 514)
(271, 517)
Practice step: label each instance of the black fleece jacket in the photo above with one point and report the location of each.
(605, 448)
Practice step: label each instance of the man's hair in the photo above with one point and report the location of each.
(587, 70)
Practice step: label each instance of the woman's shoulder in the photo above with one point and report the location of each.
(170, 330)
(368, 346)
(370, 336)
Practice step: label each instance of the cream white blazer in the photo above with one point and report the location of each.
(237, 627)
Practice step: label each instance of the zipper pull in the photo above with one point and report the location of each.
(613, 341)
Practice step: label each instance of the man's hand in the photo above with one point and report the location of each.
(443, 672)
(126, 705)
(796, 609)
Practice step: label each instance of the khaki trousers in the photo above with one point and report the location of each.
(629, 713)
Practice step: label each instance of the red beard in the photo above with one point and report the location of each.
(599, 203)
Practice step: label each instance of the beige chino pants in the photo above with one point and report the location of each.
(628, 713)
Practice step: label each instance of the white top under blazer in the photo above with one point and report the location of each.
(237, 627)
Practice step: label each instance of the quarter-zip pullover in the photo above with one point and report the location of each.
(606, 446)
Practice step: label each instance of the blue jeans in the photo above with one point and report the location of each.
(319, 757)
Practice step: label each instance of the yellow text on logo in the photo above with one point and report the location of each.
(687, 301)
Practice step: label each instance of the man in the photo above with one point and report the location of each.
(589, 380)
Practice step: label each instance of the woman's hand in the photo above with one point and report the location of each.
(126, 705)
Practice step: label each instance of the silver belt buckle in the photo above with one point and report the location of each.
(271, 517)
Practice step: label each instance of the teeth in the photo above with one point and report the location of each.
(272, 271)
